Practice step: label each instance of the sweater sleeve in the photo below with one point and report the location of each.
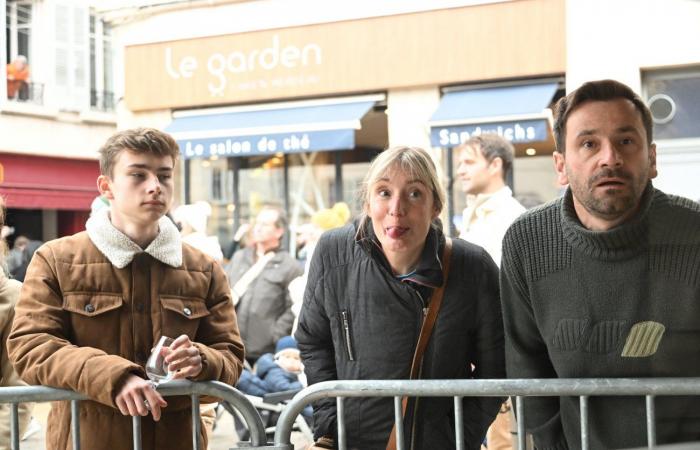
(315, 342)
(39, 343)
(487, 358)
(526, 350)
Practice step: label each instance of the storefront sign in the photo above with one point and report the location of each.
(516, 132)
(268, 144)
(369, 55)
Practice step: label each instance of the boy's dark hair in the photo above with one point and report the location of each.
(601, 90)
(137, 140)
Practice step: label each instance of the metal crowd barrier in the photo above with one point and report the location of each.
(22, 394)
(582, 388)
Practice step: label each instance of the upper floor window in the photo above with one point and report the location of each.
(101, 56)
(21, 83)
(673, 97)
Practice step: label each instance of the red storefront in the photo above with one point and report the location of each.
(36, 188)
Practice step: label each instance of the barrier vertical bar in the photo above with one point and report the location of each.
(520, 421)
(583, 405)
(196, 422)
(136, 427)
(651, 421)
(14, 426)
(340, 418)
(75, 423)
(459, 423)
(398, 420)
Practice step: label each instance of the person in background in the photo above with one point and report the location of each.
(14, 258)
(276, 372)
(193, 223)
(605, 281)
(18, 78)
(370, 286)
(259, 277)
(27, 254)
(484, 165)
(9, 293)
(94, 304)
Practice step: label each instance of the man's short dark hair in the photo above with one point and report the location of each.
(493, 146)
(602, 90)
(137, 140)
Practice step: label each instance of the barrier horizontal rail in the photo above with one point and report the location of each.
(582, 388)
(23, 394)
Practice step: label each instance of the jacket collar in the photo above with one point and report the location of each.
(120, 250)
(482, 204)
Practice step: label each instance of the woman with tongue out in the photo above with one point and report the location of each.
(369, 289)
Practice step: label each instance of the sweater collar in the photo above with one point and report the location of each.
(120, 250)
(428, 272)
(621, 242)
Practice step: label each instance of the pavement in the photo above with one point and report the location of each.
(223, 438)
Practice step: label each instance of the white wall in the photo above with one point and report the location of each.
(408, 112)
(617, 38)
(55, 136)
(621, 38)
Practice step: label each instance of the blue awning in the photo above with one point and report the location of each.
(518, 113)
(267, 129)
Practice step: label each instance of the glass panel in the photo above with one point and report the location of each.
(107, 55)
(311, 184)
(535, 180)
(674, 101)
(212, 181)
(261, 182)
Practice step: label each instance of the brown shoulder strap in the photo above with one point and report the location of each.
(426, 329)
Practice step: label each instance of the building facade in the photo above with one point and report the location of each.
(287, 102)
(53, 119)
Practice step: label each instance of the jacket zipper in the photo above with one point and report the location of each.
(346, 332)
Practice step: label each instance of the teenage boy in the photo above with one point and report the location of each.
(95, 303)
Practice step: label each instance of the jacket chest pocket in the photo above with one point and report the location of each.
(95, 319)
(181, 315)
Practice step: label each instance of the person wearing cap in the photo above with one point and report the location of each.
(604, 282)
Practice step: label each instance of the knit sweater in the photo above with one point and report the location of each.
(605, 304)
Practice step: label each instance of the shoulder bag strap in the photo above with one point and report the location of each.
(426, 330)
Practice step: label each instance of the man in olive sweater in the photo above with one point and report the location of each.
(605, 282)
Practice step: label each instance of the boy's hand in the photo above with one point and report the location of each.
(138, 396)
(183, 358)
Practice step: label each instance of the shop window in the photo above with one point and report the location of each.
(674, 100)
(212, 181)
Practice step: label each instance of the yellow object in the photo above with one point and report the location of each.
(335, 217)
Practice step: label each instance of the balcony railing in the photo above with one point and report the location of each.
(29, 93)
(102, 100)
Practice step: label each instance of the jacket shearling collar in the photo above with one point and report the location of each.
(120, 250)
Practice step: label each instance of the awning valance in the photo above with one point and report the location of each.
(274, 128)
(518, 113)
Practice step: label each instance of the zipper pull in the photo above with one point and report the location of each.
(425, 312)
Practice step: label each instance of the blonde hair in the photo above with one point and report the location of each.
(414, 162)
